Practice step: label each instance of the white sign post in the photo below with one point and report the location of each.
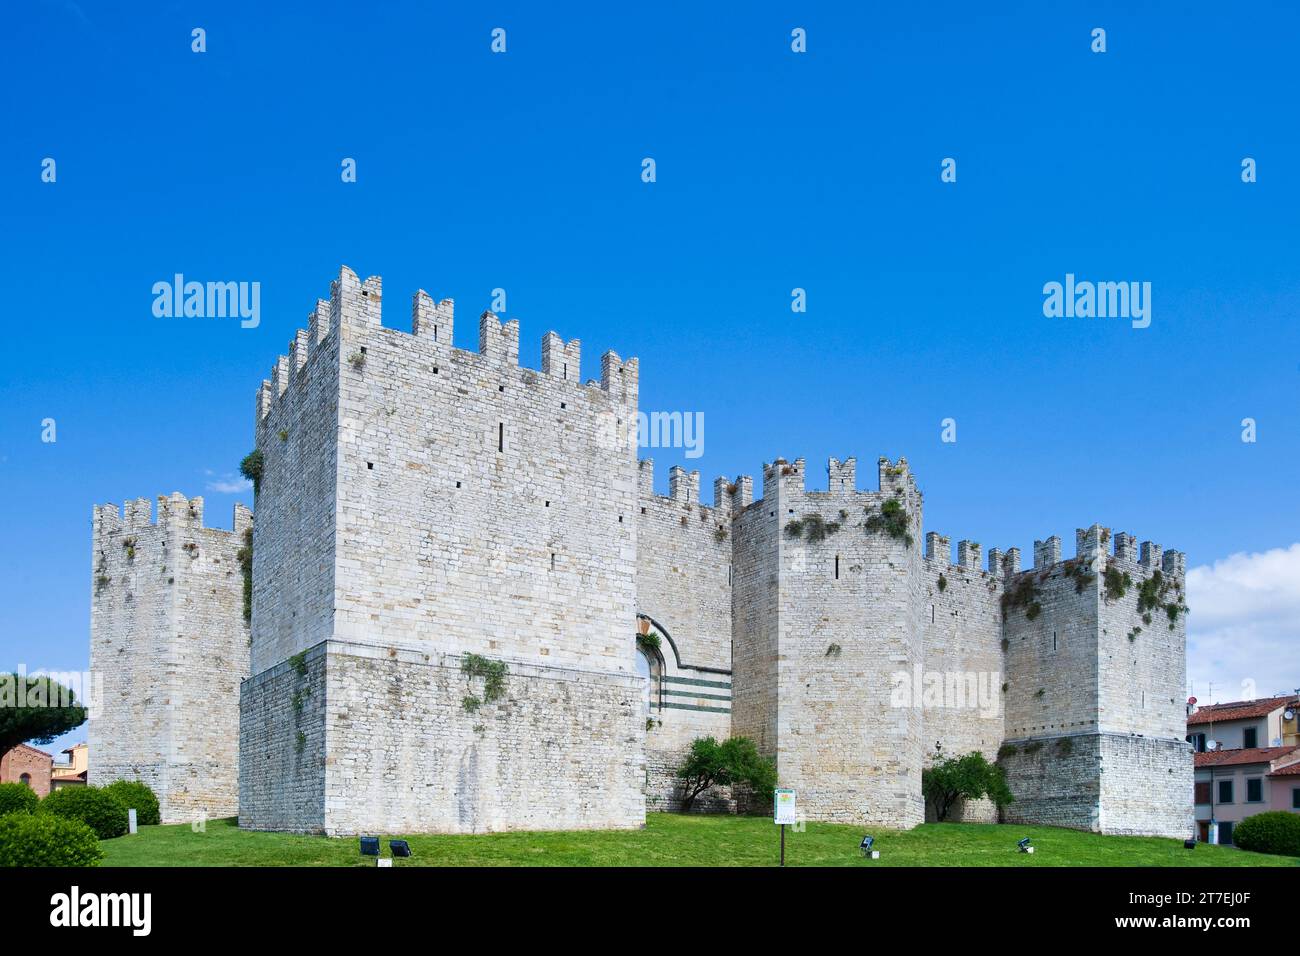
(130, 819)
(783, 814)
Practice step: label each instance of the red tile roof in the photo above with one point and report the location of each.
(1222, 758)
(1290, 770)
(1239, 710)
(27, 747)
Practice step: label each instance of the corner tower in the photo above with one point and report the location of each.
(169, 639)
(444, 584)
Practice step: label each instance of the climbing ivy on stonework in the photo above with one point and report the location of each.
(812, 528)
(892, 519)
(299, 663)
(649, 642)
(1117, 583)
(1077, 569)
(1024, 593)
(943, 584)
(245, 558)
(494, 679)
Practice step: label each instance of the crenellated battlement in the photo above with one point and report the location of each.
(684, 488)
(173, 511)
(345, 323)
(1097, 545)
(842, 476)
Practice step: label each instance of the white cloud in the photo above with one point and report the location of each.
(1243, 632)
(229, 485)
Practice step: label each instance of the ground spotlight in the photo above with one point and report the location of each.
(399, 847)
(1025, 846)
(370, 846)
(865, 846)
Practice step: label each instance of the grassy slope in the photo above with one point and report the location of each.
(674, 840)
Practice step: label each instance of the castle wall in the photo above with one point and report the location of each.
(755, 603)
(294, 558)
(282, 746)
(683, 584)
(962, 638)
(404, 755)
(169, 641)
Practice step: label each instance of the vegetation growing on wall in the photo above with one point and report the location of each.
(812, 528)
(245, 558)
(892, 519)
(494, 679)
(1078, 569)
(1024, 593)
(251, 468)
(1117, 583)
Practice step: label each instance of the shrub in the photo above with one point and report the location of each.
(17, 798)
(252, 467)
(968, 777)
(100, 810)
(1274, 832)
(42, 839)
(136, 795)
(733, 762)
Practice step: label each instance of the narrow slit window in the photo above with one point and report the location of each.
(501, 436)
(837, 567)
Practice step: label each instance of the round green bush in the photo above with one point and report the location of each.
(137, 796)
(17, 798)
(46, 839)
(1274, 832)
(100, 810)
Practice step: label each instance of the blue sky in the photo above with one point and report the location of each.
(774, 170)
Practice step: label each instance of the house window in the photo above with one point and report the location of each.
(1254, 790)
(1250, 737)
(1225, 833)
(1198, 743)
(1225, 791)
(1295, 798)
(1203, 792)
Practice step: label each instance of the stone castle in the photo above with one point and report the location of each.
(470, 612)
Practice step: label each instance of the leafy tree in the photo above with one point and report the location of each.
(734, 761)
(37, 709)
(969, 777)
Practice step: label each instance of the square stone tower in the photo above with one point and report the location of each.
(827, 605)
(169, 640)
(1096, 663)
(443, 582)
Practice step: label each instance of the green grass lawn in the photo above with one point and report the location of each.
(675, 840)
